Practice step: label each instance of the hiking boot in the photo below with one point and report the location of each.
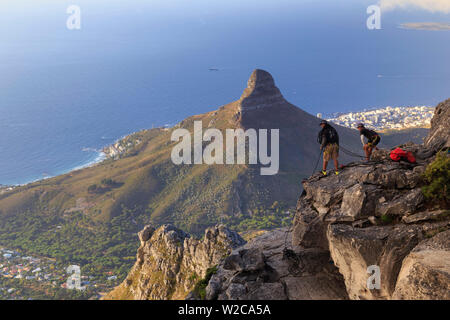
(336, 172)
(324, 172)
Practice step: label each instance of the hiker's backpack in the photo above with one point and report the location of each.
(410, 157)
(332, 135)
(400, 154)
(372, 133)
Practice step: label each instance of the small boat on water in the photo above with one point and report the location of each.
(213, 69)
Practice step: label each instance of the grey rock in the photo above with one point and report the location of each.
(439, 135)
(373, 220)
(309, 229)
(353, 250)
(235, 290)
(353, 203)
(170, 262)
(146, 233)
(262, 270)
(425, 272)
(426, 215)
(362, 223)
(405, 203)
(267, 291)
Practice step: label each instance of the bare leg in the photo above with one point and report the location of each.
(325, 164)
(336, 164)
(366, 151)
(369, 152)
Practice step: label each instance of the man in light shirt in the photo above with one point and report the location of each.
(373, 139)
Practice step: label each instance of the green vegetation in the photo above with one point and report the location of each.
(100, 249)
(387, 219)
(437, 177)
(266, 221)
(109, 182)
(92, 188)
(200, 287)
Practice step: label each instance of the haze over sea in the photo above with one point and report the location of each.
(137, 64)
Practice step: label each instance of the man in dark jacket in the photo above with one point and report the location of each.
(373, 139)
(329, 144)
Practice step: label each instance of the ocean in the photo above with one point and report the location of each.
(64, 94)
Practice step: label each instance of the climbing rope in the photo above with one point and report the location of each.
(351, 153)
(344, 150)
(317, 163)
(296, 266)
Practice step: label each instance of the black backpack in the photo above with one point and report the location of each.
(331, 133)
(369, 134)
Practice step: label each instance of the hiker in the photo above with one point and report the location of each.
(329, 144)
(373, 139)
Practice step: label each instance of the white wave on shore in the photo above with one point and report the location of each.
(100, 157)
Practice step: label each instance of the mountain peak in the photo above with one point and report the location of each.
(261, 92)
(260, 79)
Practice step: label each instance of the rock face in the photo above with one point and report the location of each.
(170, 262)
(370, 220)
(355, 249)
(425, 272)
(374, 214)
(263, 270)
(439, 135)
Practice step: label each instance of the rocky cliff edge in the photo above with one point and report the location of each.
(170, 262)
(373, 216)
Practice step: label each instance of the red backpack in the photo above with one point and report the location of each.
(400, 154)
(410, 157)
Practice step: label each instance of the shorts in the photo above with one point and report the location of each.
(331, 152)
(373, 142)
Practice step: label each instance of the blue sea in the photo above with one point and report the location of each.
(64, 94)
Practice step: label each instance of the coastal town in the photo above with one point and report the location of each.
(388, 118)
(24, 277)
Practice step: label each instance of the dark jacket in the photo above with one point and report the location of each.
(328, 135)
(369, 134)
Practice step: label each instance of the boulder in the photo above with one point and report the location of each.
(404, 204)
(426, 216)
(439, 136)
(353, 203)
(425, 272)
(381, 155)
(264, 269)
(353, 250)
(309, 229)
